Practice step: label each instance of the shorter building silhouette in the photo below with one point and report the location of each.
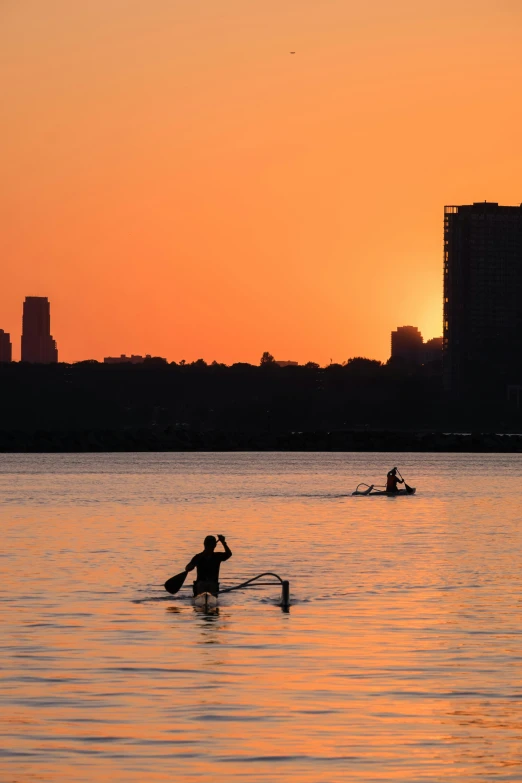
(408, 345)
(286, 363)
(38, 346)
(432, 350)
(6, 350)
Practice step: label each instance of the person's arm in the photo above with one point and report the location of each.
(191, 566)
(228, 551)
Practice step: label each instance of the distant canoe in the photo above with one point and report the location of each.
(371, 492)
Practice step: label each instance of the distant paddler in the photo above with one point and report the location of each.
(207, 564)
(392, 480)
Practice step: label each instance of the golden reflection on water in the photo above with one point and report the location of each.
(398, 660)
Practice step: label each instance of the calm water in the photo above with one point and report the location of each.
(400, 658)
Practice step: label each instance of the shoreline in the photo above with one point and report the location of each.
(172, 440)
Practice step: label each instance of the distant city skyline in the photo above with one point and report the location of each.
(39, 347)
(289, 203)
(178, 354)
(482, 309)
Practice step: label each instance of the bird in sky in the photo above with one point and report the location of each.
(292, 52)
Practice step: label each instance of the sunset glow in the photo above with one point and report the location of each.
(177, 183)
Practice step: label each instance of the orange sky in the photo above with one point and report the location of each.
(178, 184)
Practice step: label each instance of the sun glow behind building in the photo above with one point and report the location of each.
(288, 202)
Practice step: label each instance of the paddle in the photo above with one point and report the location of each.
(408, 489)
(175, 583)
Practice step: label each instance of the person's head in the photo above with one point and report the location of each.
(210, 543)
(392, 472)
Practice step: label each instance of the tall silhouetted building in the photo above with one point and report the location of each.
(407, 343)
(38, 345)
(5, 347)
(482, 350)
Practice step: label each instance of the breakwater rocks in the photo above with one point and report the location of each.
(172, 439)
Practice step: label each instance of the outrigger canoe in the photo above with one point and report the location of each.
(206, 601)
(371, 490)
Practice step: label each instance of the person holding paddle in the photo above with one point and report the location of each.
(392, 480)
(207, 564)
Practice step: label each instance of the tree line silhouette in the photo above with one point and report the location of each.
(359, 395)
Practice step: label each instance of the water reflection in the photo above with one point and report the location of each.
(209, 613)
(486, 732)
(400, 659)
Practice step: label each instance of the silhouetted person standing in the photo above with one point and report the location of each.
(207, 564)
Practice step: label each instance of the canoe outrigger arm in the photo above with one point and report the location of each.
(285, 586)
(366, 491)
(374, 489)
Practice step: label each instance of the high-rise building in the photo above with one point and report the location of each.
(38, 345)
(407, 343)
(482, 350)
(6, 353)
